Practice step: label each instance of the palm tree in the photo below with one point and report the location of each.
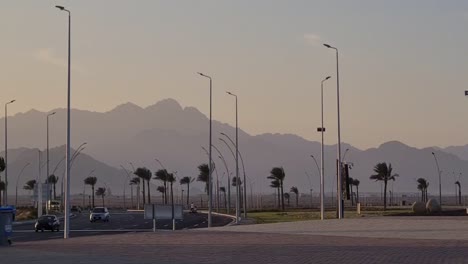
(52, 179)
(356, 183)
(162, 176)
(287, 196)
(136, 181)
(204, 174)
(187, 180)
(384, 173)
(162, 190)
(145, 174)
(223, 190)
(29, 186)
(422, 186)
(275, 184)
(277, 173)
(171, 179)
(101, 192)
(296, 192)
(91, 181)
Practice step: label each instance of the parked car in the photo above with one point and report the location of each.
(75, 209)
(99, 213)
(47, 222)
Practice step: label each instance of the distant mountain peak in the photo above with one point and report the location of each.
(127, 107)
(394, 144)
(167, 105)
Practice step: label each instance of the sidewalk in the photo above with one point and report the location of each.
(444, 228)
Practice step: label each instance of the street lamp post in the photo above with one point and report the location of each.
(66, 232)
(47, 139)
(210, 182)
(440, 182)
(228, 179)
(5, 193)
(240, 156)
(17, 180)
(339, 181)
(321, 129)
(237, 189)
(237, 158)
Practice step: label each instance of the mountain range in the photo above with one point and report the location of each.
(175, 136)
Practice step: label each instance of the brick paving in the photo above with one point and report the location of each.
(220, 246)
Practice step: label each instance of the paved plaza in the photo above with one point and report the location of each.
(370, 240)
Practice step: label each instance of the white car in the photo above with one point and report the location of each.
(99, 213)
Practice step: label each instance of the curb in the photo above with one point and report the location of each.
(233, 222)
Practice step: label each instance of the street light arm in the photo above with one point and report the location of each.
(318, 167)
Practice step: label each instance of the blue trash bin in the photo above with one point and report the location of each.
(7, 216)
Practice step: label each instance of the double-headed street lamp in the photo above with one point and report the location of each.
(5, 193)
(66, 232)
(321, 129)
(237, 182)
(339, 181)
(210, 184)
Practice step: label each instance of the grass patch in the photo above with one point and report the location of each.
(266, 217)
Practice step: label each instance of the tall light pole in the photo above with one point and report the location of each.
(5, 193)
(440, 182)
(321, 129)
(237, 189)
(66, 232)
(210, 182)
(17, 180)
(47, 139)
(237, 158)
(228, 179)
(240, 155)
(339, 181)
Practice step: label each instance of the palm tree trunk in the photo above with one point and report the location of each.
(385, 195)
(92, 189)
(188, 193)
(297, 199)
(55, 193)
(149, 193)
(351, 189)
(165, 192)
(144, 193)
(282, 195)
(357, 194)
(279, 199)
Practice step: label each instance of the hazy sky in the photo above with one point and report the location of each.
(403, 64)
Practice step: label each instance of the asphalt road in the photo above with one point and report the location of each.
(120, 222)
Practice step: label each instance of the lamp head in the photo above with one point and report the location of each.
(326, 45)
(433, 153)
(328, 77)
(60, 7)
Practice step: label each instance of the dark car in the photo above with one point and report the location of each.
(47, 222)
